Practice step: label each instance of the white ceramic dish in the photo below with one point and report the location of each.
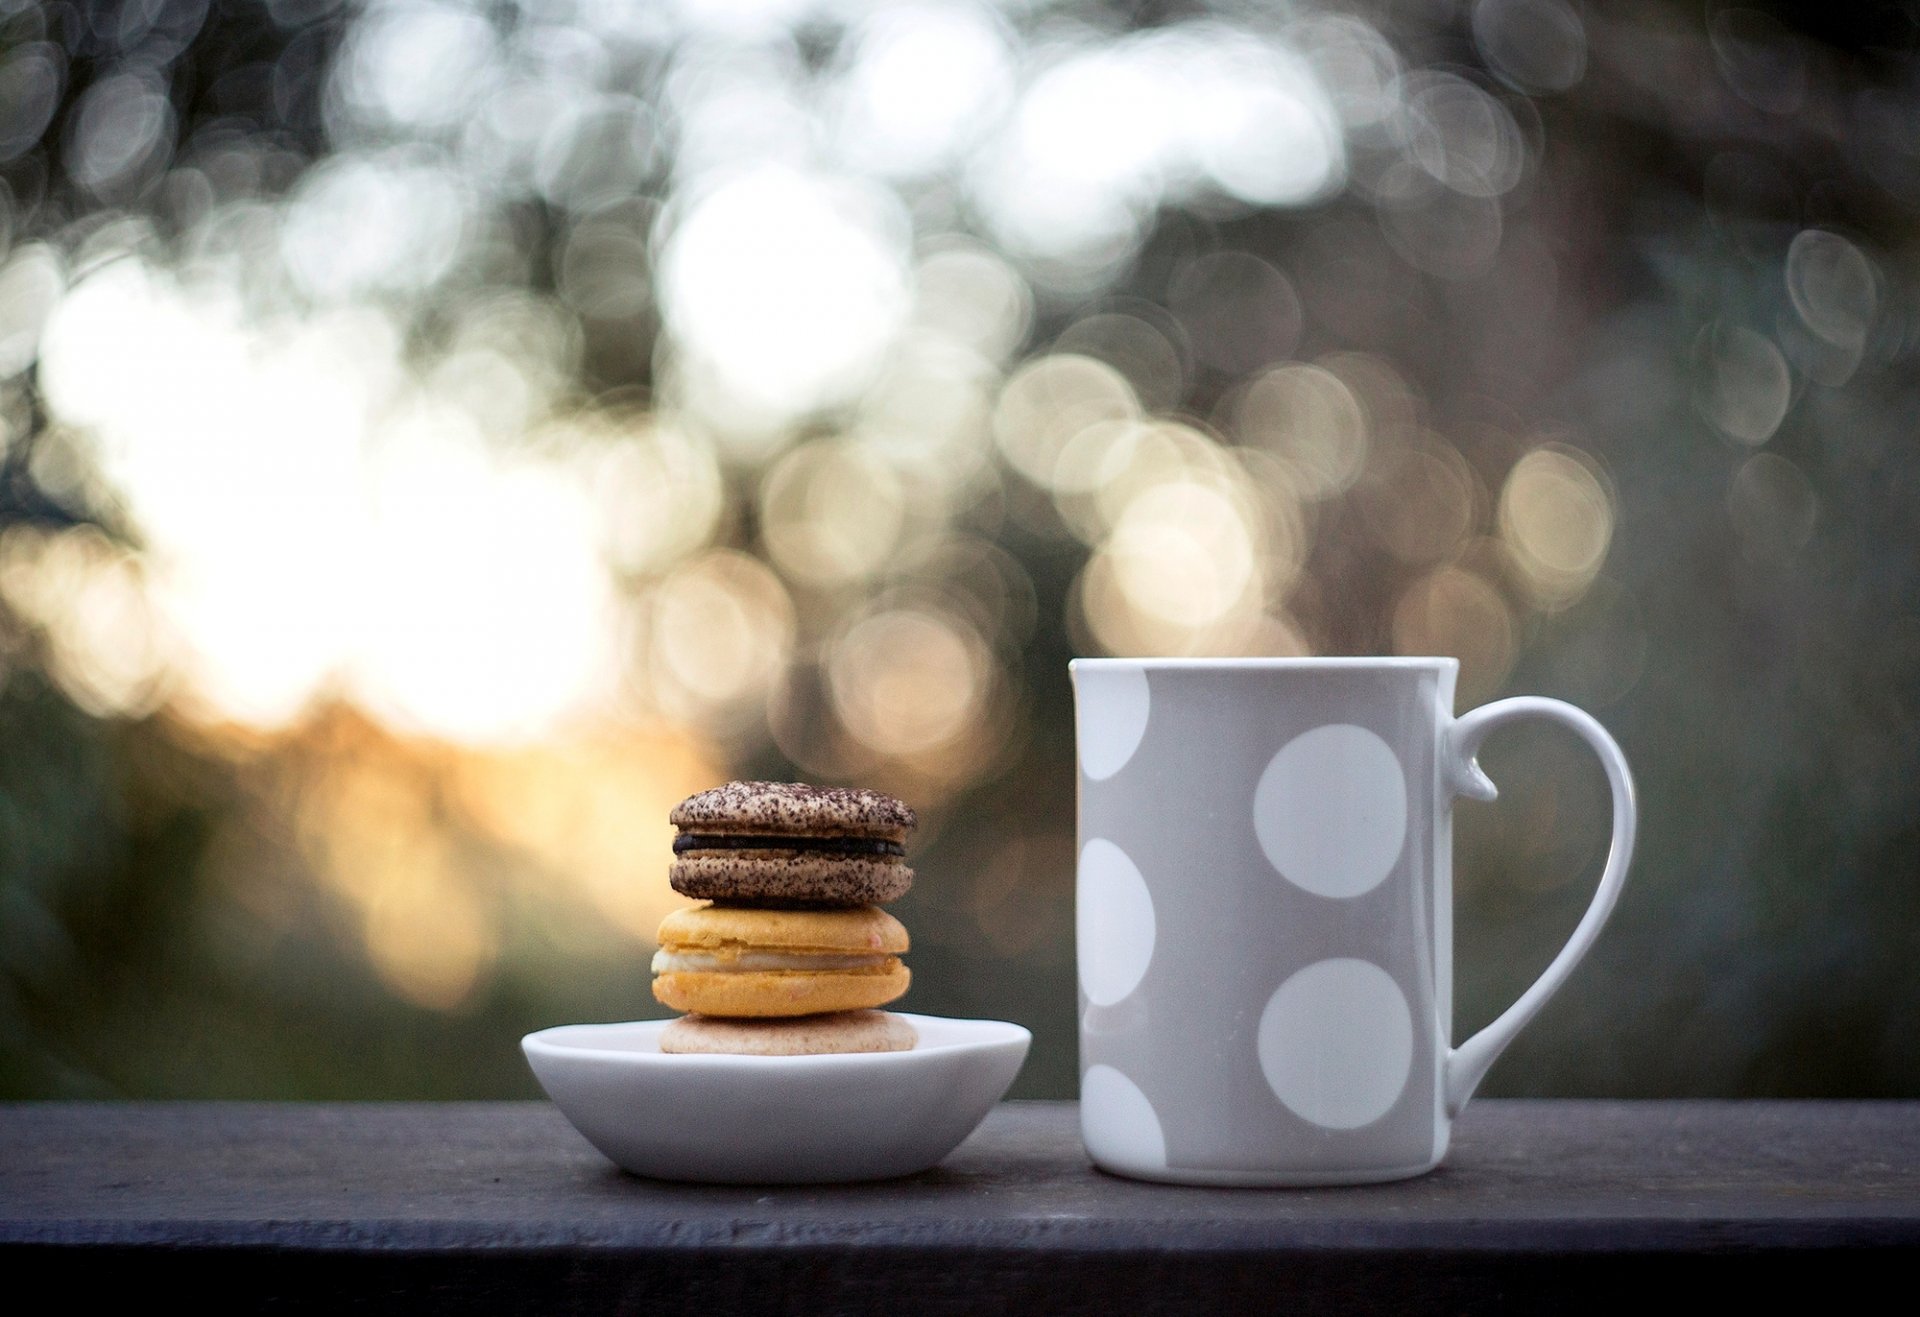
(776, 1119)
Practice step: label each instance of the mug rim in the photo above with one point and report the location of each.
(1307, 664)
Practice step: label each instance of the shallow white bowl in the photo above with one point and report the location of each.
(776, 1119)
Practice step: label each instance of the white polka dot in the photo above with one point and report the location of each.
(1113, 923)
(1331, 810)
(1117, 1122)
(1336, 1043)
(1113, 705)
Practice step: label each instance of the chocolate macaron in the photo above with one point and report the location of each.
(790, 844)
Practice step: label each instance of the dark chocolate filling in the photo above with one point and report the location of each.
(703, 841)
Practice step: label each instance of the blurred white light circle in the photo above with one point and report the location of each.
(31, 75)
(294, 539)
(122, 122)
(721, 631)
(659, 496)
(362, 224)
(235, 454)
(1097, 118)
(734, 109)
(928, 412)
(1142, 342)
(970, 294)
(501, 142)
(1262, 125)
(1464, 138)
(600, 151)
(1745, 384)
(416, 65)
(1833, 287)
(1107, 130)
(1078, 166)
(786, 288)
(925, 80)
(1534, 45)
(486, 614)
(602, 269)
(1356, 66)
(742, 19)
(31, 283)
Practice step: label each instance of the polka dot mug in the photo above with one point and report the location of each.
(1264, 914)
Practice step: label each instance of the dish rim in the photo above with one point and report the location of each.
(995, 1033)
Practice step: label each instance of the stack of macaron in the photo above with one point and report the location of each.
(790, 952)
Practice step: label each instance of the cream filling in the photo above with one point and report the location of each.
(750, 962)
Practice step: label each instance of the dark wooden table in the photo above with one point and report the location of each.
(500, 1205)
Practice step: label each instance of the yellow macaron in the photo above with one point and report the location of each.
(755, 962)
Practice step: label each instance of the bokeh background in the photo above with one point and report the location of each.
(441, 434)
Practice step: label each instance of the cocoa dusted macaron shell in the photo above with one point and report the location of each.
(790, 844)
(755, 963)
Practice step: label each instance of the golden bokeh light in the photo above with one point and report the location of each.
(1050, 400)
(831, 513)
(1309, 419)
(909, 683)
(426, 932)
(1182, 553)
(1422, 500)
(1556, 519)
(1141, 342)
(1390, 404)
(657, 490)
(1127, 463)
(1093, 460)
(928, 411)
(591, 814)
(1453, 611)
(107, 647)
(1193, 541)
(433, 848)
(720, 630)
(969, 294)
(1105, 619)
(368, 823)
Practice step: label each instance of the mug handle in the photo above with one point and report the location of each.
(1468, 1063)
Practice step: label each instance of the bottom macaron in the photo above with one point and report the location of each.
(800, 1035)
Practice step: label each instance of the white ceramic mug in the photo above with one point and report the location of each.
(1264, 913)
